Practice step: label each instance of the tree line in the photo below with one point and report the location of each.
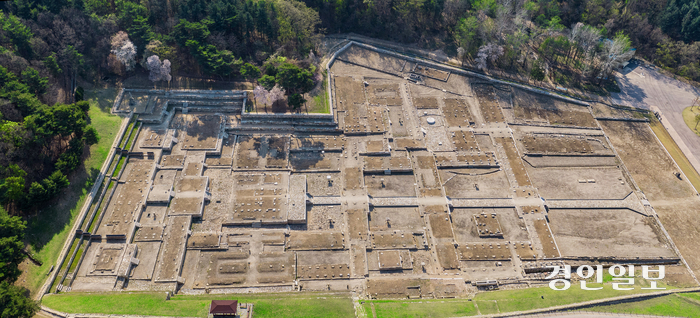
(39, 144)
(509, 34)
(42, 138)
(13, 299)
(218, 37)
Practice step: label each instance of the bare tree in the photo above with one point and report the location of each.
(486, 27)
(523, 9)
(615, 52)
(587, 37)
(118, 39)
(461, 53)
(218, 39)
(453, 10)
(124, 50)
(488, 53)
(504, 18)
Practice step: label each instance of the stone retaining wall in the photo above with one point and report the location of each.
(452, 69)
(641, 120)
(86, 207)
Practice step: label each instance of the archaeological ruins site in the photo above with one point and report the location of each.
(424, 181)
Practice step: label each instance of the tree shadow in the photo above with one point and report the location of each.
(630, 92)
(140, 80)
(628, 69)
(103, 97)
(57, 213)
(204, 126)
(309, 155)
(280, 106)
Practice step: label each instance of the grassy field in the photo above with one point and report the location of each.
(487, 307)
(421, 308)
(340, 304)
(542, 297)
(266, 305)
(48, 230)
(676, 152)
(689, 118)
(319, 103)
(677, 305)
(499, 301)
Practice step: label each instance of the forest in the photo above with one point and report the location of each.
(570, 42)
(47, 47)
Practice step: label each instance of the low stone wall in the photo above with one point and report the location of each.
(86, 207)
(640, 120)
(257, 116)
(118, 102)
(284, 117)
(462, 72)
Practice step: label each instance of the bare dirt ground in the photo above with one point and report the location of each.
(639, 150)
(673, 199)
(605, 233)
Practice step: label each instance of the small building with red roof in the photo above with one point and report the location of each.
(230, 308)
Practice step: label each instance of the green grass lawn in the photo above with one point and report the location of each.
(319, 103)
(86, 220)
(266, 305)
(340, 304)
(134, 132)
(420, 308)
(689, 118)
(542, 297)
(78, 255)
(676, 305)
(63, 266)
(500, 301)
(122, 143)
(487, 307)
(676, 153)
(94, 215)
(122, 161)
(47, 231)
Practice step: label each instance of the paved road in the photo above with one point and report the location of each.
(643, 87)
